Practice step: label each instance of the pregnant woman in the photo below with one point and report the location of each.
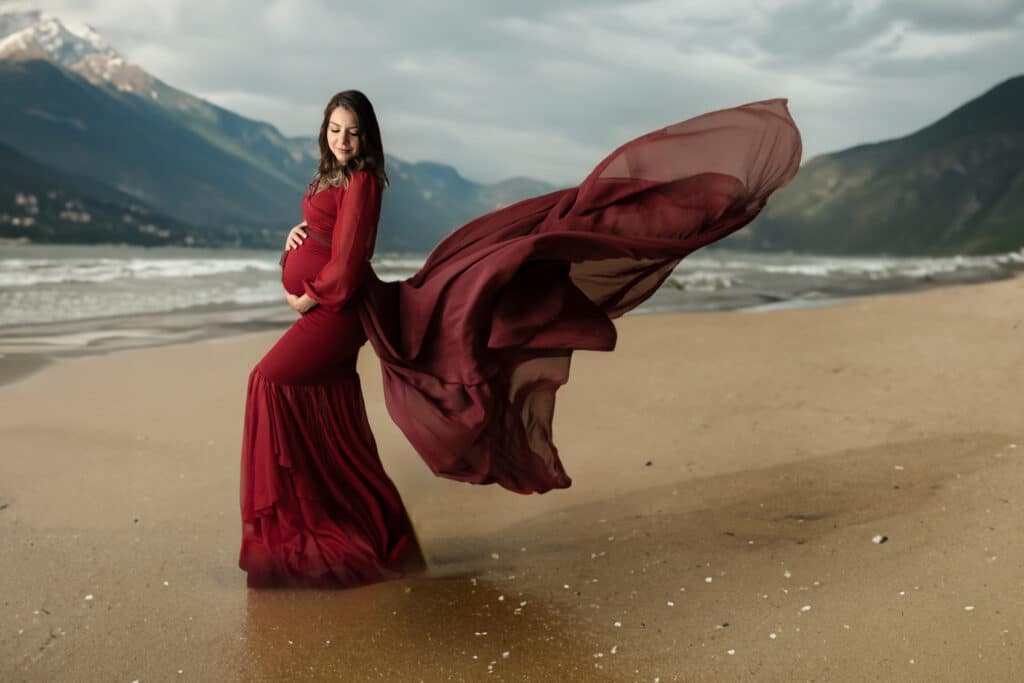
(317, 507)
(473, 346)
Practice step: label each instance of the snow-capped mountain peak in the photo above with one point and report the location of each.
(66, 45)
(88, 34)
(78, 47)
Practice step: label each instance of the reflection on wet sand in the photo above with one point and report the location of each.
(430, 628)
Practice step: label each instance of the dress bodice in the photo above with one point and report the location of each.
(347, 217)
(321, 209)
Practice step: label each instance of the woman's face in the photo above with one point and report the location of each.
(343, 135)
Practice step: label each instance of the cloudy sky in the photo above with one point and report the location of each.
(545, 88)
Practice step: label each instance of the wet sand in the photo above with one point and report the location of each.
(732, 472)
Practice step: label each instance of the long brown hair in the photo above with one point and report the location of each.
(371, 149)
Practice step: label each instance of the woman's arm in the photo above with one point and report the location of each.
(355, 230)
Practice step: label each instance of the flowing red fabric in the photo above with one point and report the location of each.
(474, 346)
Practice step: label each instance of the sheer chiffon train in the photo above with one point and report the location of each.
(474, 346)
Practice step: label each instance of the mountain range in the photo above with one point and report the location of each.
(147, 163)
(84, 115)
(955, 186)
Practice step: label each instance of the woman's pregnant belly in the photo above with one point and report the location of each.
(303, 264)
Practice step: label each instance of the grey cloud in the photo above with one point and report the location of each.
(957, 16)
(806, 31)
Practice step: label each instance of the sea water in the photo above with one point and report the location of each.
(42, 284)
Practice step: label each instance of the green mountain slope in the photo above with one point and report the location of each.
(956, 186)
(129, 143)
(43, 204)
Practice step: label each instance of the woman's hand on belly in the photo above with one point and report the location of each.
(301, 304)
(295, 236)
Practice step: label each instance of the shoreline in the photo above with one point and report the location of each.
(25, 348)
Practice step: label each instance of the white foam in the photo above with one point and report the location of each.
(703, 281)
(407, 263)
(29, 272)
(875, 268)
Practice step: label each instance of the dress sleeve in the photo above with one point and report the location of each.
(355, 231)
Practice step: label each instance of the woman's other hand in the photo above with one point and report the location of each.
(295, 236)
(301, 304)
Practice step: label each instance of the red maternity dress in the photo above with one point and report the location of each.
(473, 346)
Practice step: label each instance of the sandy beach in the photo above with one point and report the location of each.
(828, 494)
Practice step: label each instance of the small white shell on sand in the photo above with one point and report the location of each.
(773, 636)
(730, 652)
(708, 579)
(878, 539)
(805, 608)
(968, 608)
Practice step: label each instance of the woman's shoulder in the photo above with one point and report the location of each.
(362, 180)
(362, 183)
(363, 177)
